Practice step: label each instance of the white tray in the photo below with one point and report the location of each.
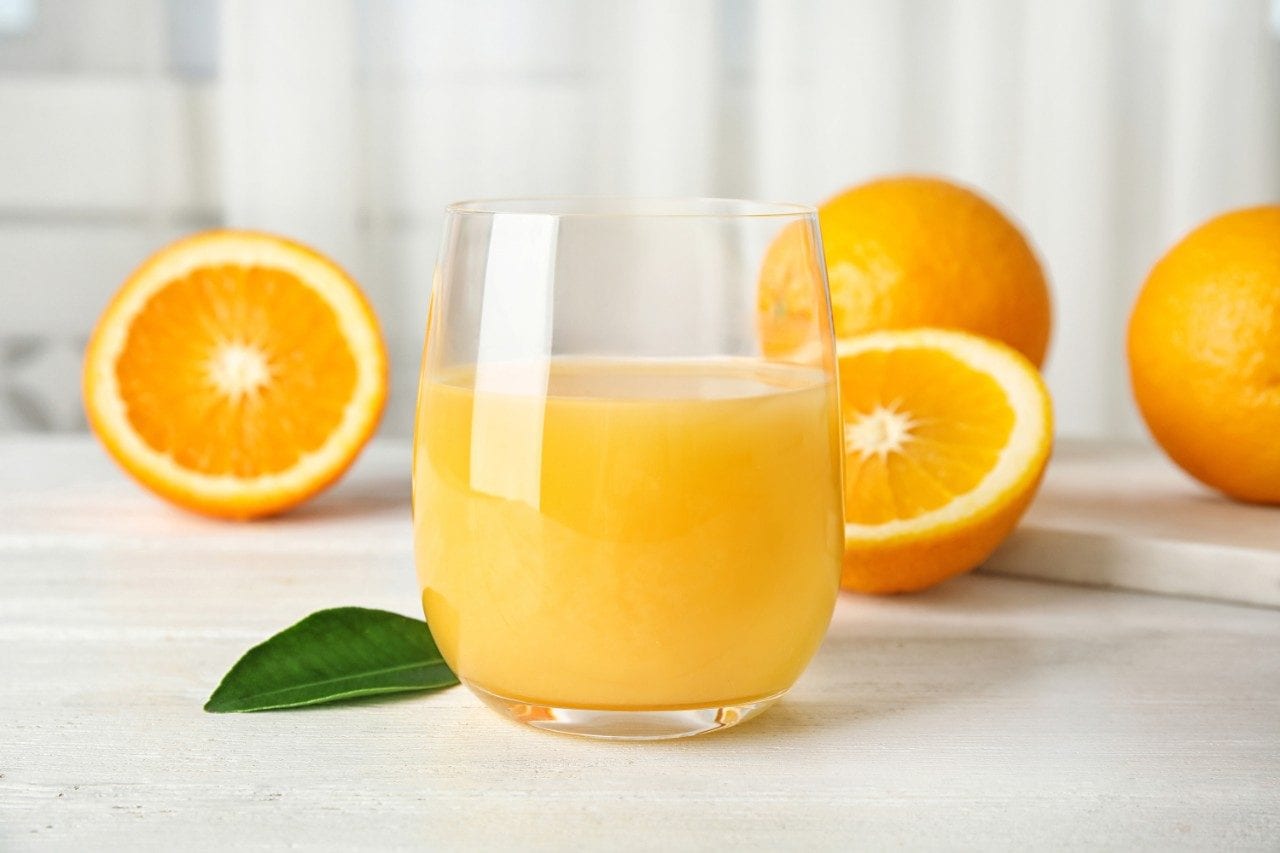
(1124, 516)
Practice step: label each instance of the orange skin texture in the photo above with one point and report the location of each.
(903, 252)
(178, 493)
(1204, 353)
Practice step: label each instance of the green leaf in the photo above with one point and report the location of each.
(334, 654)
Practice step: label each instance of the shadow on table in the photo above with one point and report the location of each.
(900, 656)
(357, 499)
(884, 658)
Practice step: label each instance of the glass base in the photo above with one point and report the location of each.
(625, 725)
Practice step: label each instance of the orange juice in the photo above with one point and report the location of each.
(627, 534)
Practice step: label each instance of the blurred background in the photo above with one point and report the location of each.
(1106, 127)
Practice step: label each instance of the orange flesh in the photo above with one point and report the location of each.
(236, 370)
(959, 420)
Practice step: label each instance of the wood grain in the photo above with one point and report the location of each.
(990, 712)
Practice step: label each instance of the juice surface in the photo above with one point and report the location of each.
(628, 535)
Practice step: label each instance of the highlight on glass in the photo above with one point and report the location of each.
(627, 469)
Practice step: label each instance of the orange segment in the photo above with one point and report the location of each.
(236, 373)
(946, 436)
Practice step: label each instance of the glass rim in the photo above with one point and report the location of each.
(632, 207)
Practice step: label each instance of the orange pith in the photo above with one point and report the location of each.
(236, 373)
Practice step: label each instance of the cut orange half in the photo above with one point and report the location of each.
(946, 437)
(236, 373)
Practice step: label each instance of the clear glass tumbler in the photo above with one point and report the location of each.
(627, 467)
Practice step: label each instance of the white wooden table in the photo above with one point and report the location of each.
(989, 712)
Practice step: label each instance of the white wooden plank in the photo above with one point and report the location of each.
(987, 713)
(1124, 516)
(52, 491)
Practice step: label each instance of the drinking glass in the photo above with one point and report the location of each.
(627, 468)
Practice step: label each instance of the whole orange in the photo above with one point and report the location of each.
(904, 252)
(1204, 353)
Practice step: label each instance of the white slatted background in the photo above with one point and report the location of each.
(1108, 127)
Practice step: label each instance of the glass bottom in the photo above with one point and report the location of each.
(625, 725)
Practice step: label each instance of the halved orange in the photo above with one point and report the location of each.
(236, 373)
(946, 437)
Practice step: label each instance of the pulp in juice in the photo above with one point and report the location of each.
(628, 534)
